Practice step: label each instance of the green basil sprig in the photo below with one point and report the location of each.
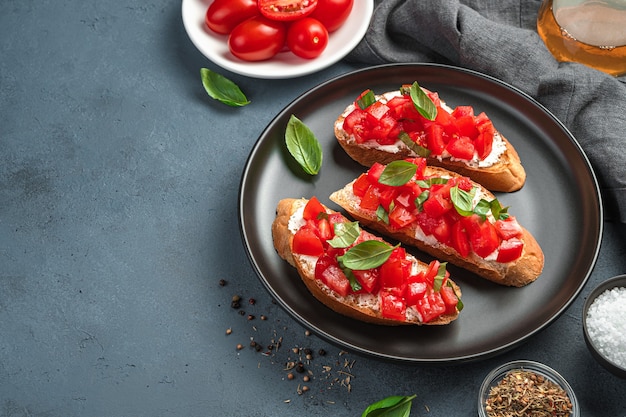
(464, 204)
(393, 406)
(222, 89)
(423, 104)
(303, 146)
(441, 274)
(366, 255)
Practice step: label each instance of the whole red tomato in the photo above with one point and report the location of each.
(307, 38)
(257, 39)
(286, 10)
(223, 15)
(332, 13)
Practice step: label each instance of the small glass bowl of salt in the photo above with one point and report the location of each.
(604, 324)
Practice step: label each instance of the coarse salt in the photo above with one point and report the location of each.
(606, 325)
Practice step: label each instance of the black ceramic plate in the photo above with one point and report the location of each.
(560, 204)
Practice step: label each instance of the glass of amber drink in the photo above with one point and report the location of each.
(592, 32)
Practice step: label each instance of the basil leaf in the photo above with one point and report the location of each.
(366, 100)
(423, 104)
(394, 406)
(499, 212)
(420, 199)
(345, 234)
(418, 149)
(459, 304)
(397, 173)
(303, 146)
(367, 255)
(431, 181)
(382, 215)
(482, 208)
(463, 200)
(355, 285)
(441, 274)
(222, 89)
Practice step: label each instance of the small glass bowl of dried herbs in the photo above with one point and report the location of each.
(526, 388)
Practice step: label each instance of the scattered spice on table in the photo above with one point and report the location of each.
(523, 393)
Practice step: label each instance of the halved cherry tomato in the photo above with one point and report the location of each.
(286, 10)
(223, 15)
(307, 38)
(257, 39)
(332, 13)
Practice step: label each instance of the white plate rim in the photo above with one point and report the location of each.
(285, 64)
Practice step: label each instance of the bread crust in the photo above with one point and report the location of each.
(521, 272)
(348, 306)
(506, 175)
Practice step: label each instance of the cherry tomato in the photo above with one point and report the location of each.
(286, 10)
(307, 38)
(257, 39)
(332, 13)
(223, 15)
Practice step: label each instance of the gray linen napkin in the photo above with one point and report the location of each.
(499, 38)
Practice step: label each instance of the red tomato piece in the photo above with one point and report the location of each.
(386, 196)
(431, 272)
(223, 15)
(354, 118)
(306, 242)
(482, 234)
(466, 126)
(392, 273)
(461, 147)
(434, 139)
(461, 111)
(437, 204)
(286, 10)
(324, 230)
(327, 270)
(431, 306)
(459, 239)
(332, 13)
(257, 39)
(368, 279)
(392, 306)
(449, 299)
(360, 185)
(510, 250)
(312, 209)
(400, 217)
(508, 228)
(415, 291)
(376, 111)
(370, 200)
(373, 174)
(307, 38)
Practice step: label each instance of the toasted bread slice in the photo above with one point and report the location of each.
(503, 173)
(517, 273)
(360, 305)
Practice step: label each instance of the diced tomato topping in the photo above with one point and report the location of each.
(461, 111)
(449, 298)
(373, 174)
(434, 139)
(324, 229)
(510, 250)
(386, 196)
(306, 242)
(461, 147)
(360, 185)
(370, 200)
(459, 239)
(483, 236)
(400, 217)
(312, 209)
(508, 228)
(415, 291)
(393, 272)
(431, 306)
(368, 279)
(392, 306)
(466, 127)
(327, 270)
(437, 204)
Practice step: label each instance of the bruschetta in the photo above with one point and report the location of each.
(358, 274)
(415, 122)
(446, 215)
